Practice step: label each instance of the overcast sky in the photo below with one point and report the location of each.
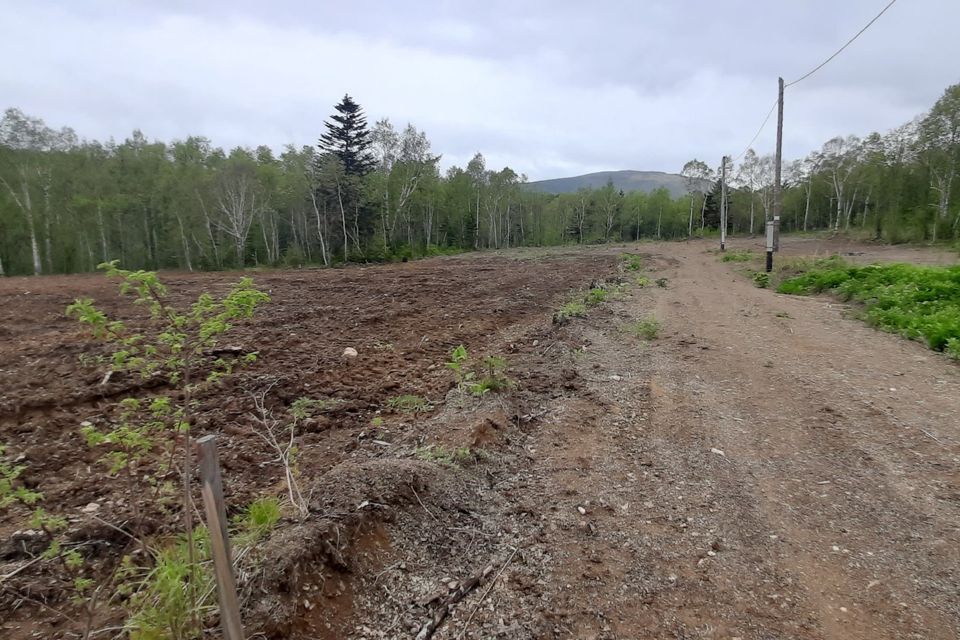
(550, 88)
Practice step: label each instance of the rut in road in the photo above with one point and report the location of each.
(767, 468)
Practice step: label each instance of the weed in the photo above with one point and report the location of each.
(572, 309)
(648, 328)
(409, 403)
(643, 281)
(761, 279)
(632, 262)
(783, 314)
(739, 255)
(161, 603)
(596, 296)
(442, 455)
(258, 520)
(662, 283)
(10, 492)
(478, 381)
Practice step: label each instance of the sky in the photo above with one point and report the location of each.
(551, 88)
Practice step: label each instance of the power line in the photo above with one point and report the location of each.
(838, 51)
(757, 135)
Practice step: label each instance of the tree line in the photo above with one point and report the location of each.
(373, 193)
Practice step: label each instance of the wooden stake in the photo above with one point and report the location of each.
(212, 491)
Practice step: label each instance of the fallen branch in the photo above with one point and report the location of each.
(457, 594)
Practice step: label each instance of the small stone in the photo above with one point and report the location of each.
(711, 553)
(843, 609)
(350, 352)
(718, 452)
(616, 378)
(582, 511)
(92, 507)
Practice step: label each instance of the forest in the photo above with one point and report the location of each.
(375, 193)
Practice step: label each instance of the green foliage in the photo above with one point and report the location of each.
(914, 301)
(595, 296)
(10, 491)
(258, 520)
(647, 328)
(160, 601)
(409, 403)
(478, 380)
(631, 262)
(572, 309)
(738, 255)
(643, 281)
(441, 455)
(761, 279)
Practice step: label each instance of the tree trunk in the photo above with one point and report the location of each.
(183, 242)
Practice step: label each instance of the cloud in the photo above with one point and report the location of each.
(548, 88)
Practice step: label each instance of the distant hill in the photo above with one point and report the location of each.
(626, 180)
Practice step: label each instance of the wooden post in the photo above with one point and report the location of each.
(212, 491)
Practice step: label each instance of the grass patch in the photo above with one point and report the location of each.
(409, 403)
(258, 520)
(442, 455)
(761, 279)
(648, 328)
(913, 301)
(739, 255)
(643, 281)
(572, 309)
(596, 296)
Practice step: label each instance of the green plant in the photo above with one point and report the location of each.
(783, 314)
(478, 381)
(257, 520)
(632, 262)
(761, 279)
(662, 283)
(169, 599)
(738, 255)
(10, 491)
(442, 455)
(409, 403)
(643, 281)
(572, 309)
(180, 346)
(647, 328)
(596, 296)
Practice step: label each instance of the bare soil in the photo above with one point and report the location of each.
(768, 467)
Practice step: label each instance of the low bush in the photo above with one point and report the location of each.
(739, 255)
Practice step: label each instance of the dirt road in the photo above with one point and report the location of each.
(768, 468)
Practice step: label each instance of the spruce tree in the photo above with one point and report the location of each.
(348, 138)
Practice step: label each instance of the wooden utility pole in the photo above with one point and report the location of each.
(723, 203)
(773, 230)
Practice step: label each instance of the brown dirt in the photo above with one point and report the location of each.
(595, 502)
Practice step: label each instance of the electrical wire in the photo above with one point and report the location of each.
(759, 131)
(838, 51)
(810, 73)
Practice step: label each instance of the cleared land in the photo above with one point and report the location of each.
(767, 467)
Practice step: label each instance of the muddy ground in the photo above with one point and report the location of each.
(767, 467)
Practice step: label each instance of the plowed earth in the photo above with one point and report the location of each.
(768, 467)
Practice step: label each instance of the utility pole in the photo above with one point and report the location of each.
(723, 203)
(773, 242)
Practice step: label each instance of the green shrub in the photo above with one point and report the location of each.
(643, 281)
(761, 279)
(572, 309)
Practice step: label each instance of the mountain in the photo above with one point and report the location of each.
(625, 180)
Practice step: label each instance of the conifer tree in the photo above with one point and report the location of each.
(348, 138)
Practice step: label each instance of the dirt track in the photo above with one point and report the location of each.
(766, 468)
